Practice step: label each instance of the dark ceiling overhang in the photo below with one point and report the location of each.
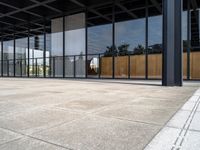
(17, 16)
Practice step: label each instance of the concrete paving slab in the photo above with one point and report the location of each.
(88, 114)
(97, 133)
(30, 144)
(186, 120)
(36, 120)
(179, 119)
(164, 140)
(188, 106)
(147, 114)
(7, 136)
(195, 124)
(191, 141)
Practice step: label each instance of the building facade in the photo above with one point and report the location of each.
(113, 39)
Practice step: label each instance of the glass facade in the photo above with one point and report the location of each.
(114, 40)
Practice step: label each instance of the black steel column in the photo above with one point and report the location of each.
(44, 52)
(2, 56)
(63, 46)
(14, 55)
(172, 43)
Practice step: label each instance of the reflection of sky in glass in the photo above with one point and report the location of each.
(184, 25)
(130, 32)
(99, 37)
(155, 30)
(8, 49)
(75, 42)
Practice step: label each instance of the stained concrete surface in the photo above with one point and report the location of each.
(86, 114)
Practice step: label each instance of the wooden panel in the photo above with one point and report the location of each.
(155, 66)
(184, 65)
(106, 67)
(121, 67)
(195, 65)
(137, 66)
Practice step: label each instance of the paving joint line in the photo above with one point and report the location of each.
(185, 128)
(38, 139)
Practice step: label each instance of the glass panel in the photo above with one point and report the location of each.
(80, 66)
(185, 44)
(75, 41)
(21, 50)
(56, 49)
(100, 42)
(69, 66)
(195, 45)
(93, 66)
(154, 44)
(8, 69)
(129, 40)
(48, 51)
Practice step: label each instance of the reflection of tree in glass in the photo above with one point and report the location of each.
(155, 49)
(111, 51)
(139, 49)
(123, 49)
(80, 56)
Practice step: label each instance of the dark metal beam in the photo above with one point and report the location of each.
(47, 6)
(157, 5)
(126, 10)
(91, 10)
(194, 4)
(26, 8)
(16, 8)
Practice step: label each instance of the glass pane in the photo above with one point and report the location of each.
(185, 44)
(75, 42)
(100, 43)
(21, 53)
(154, 44)
(56, 49)
(8, 49)
(69, 66)
(195, 45)
(129, 40)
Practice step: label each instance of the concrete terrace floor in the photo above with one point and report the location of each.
(53, 114)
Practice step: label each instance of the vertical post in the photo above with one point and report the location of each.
(54, 72)
(44, 52)
(36, 66)
(8, 67)
(188, 38)
(14, 55)
(99, 71)
(129, 66)
(146, 38)
(28, 49)
(113, 39)
(2, 56)
(172, 43)
(74, 66)
(63, 46)
(21, 67)
(86, 44)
